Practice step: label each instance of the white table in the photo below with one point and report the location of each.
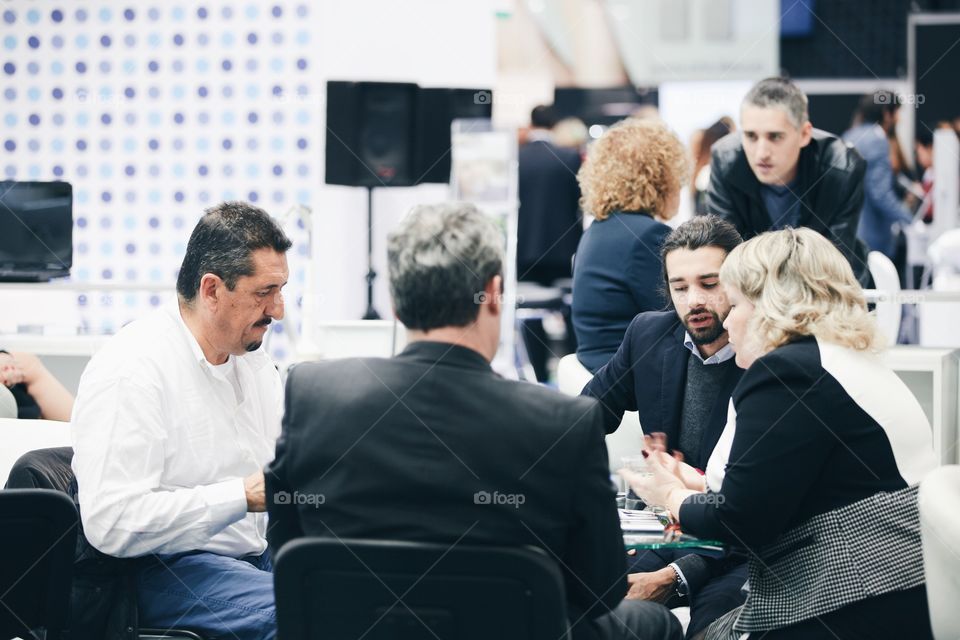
(17, 437)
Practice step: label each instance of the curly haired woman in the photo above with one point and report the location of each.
(631, 184)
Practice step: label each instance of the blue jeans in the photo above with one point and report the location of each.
(212, 595)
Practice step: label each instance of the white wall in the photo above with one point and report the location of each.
(432, 43)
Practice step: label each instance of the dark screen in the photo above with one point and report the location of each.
(36, 226)
(832, 112)
(937, 60)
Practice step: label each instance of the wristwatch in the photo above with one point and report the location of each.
(679, 584)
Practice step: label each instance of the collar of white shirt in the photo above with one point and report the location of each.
(723, 355)
(256, 359)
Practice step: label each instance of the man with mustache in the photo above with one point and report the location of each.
(778, 171)
(677, 370)
(174, 421)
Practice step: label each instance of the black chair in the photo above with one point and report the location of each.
(102, 594)
(347, 589)
(38, 531)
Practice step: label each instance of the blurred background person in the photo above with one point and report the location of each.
(923, 147)
(549, 226)
(631, 184)
(701, 144)
(571, 133)
(37, 392)
(877, 115)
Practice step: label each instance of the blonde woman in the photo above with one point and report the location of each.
(820, 461)
(630, 184)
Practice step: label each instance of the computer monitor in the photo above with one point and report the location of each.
(36, 230)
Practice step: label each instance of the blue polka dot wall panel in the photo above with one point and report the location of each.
(155, 111)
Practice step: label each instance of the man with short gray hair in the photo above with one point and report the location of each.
(778, 171)
(432, 446)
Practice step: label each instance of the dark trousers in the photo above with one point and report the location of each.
(720, 594)
(631, 620)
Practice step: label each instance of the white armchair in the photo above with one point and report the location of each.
(940, 530)
(627, 440)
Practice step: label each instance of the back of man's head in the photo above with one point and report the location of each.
(697, 233)
(543, 117)
(223, 242)
(873, 106)
(779, 93)
(441, 258)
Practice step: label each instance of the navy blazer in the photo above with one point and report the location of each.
(617, 274)
(648, 374)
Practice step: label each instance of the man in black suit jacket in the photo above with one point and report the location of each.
(676, 368)
(433, 446)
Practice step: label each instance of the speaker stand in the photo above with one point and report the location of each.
(371, 313)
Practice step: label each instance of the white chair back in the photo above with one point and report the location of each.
(886, 280)
(627, 440)
(940, 530)
(8, 404)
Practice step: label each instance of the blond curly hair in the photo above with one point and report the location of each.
(637, 165)
(800, 285)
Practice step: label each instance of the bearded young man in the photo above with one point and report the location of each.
(677, 369)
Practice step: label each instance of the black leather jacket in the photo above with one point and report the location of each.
(829, 183)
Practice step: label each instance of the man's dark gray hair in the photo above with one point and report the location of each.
(440, 259)
(701, 231)
(782, 94)
(223, 242)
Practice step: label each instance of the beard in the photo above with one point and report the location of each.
(705, 335)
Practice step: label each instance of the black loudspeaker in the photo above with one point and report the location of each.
(371, 134)
(437, 109)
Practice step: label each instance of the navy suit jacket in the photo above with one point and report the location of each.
(617, 274)
(648, 374)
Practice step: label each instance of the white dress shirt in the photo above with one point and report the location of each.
(725, 353)
(163, 440)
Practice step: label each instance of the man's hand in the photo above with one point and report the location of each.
(256, 492)
(655, 586)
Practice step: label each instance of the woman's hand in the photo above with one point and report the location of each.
(662, 485)
(655, 445)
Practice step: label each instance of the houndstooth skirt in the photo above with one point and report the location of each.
(852, 553)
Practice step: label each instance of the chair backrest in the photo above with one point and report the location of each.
(627, 440)
(38, 531)
(8, 404)
(43, 469)
(886, 280)
(340, 589)
(939, 502)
